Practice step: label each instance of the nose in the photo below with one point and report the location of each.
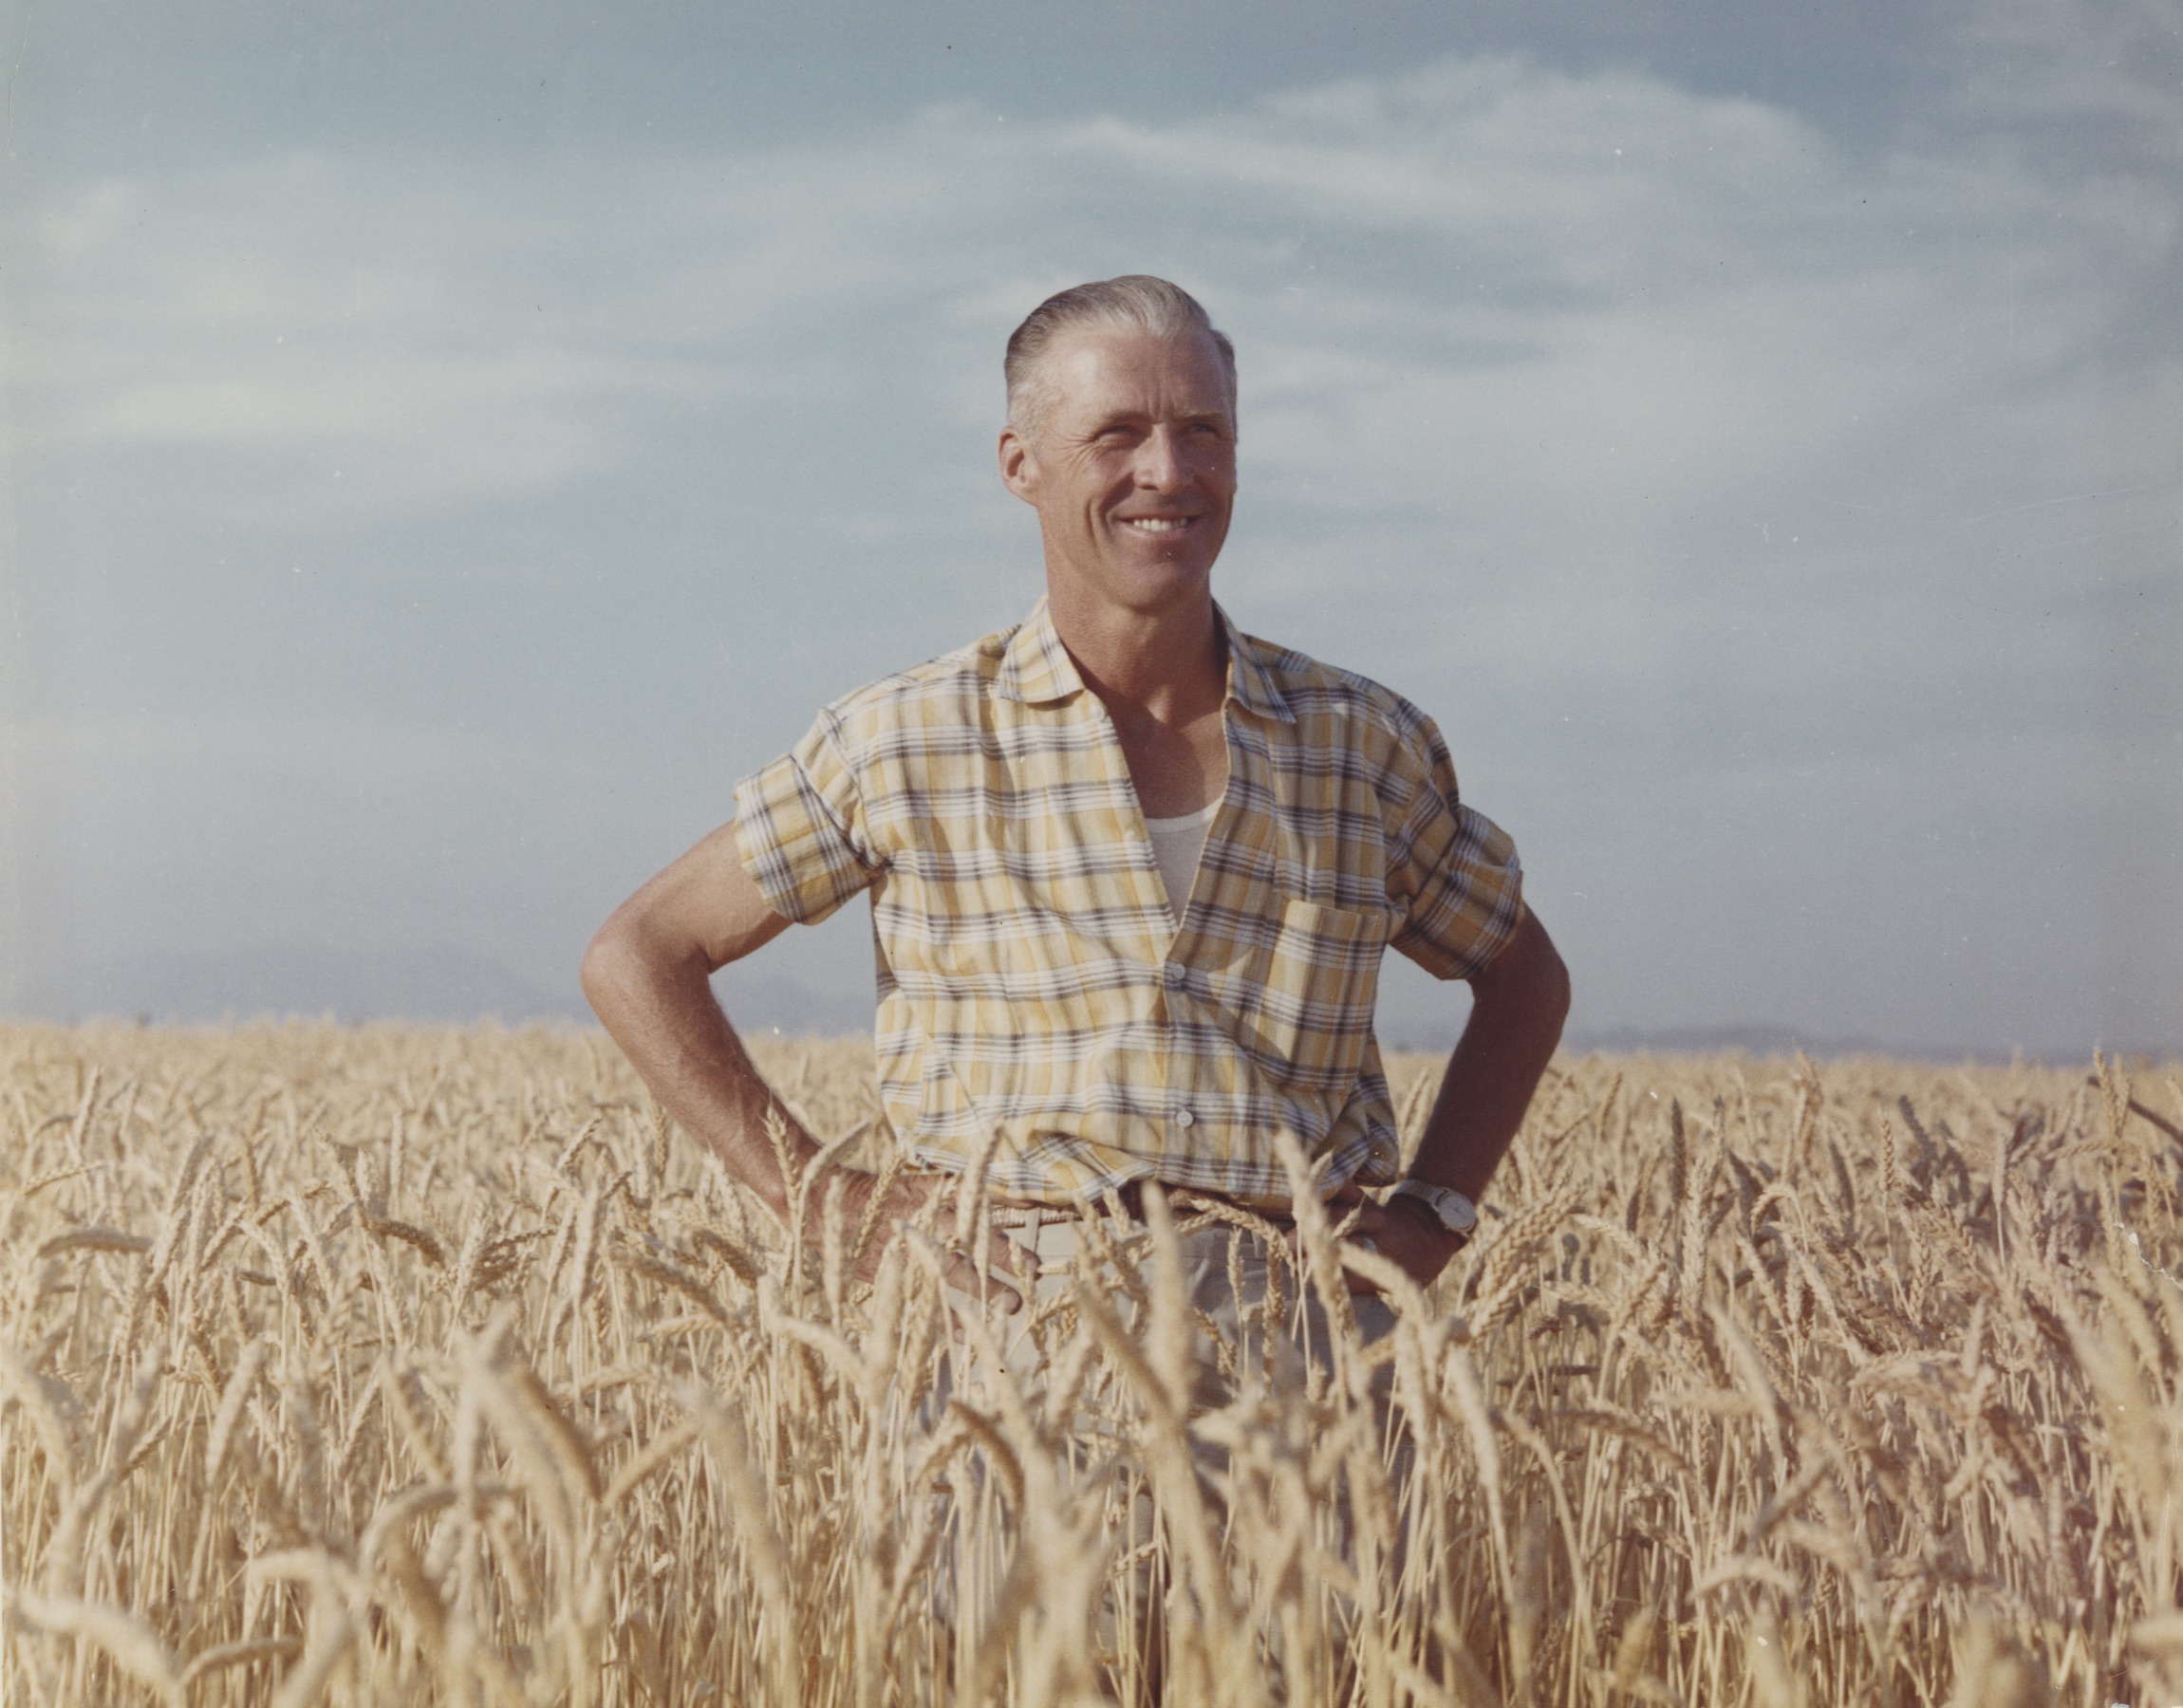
(1160, 465)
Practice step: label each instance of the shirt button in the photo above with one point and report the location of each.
(1172, 976)
(1184, 1118)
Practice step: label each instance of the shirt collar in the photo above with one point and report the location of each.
(1036, 668)
(1250, 685)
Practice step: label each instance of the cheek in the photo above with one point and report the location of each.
(1101, 497)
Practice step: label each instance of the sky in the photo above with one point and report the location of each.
(443, 446)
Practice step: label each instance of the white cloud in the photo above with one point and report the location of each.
(1474, 284)
(1592, 396)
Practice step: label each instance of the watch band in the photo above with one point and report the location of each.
(1453, 1210)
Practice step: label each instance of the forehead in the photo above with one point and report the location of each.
(1104, 372)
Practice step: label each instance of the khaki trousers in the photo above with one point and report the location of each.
(1252, 1331)
(1268, 1332)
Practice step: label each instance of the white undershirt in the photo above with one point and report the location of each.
(1177, 845)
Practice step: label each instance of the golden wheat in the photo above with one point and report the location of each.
(377, 1364)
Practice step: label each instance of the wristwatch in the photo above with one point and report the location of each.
(1449, 1207)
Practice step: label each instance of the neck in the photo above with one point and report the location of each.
(1171, 662)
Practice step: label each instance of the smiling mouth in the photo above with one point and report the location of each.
(1159, 525)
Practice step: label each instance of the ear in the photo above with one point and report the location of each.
(1018, 466)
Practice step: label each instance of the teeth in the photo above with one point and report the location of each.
(1159, 524)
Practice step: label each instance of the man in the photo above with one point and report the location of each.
(1131, 871)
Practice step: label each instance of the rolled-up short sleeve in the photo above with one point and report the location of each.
(800, 827)
(1453, 870)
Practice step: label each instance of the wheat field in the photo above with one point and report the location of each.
(382, 1365)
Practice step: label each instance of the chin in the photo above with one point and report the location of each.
(1145, 585)
(1154, 588)
(1174, 568)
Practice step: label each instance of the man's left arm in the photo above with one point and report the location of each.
(1518, 1002)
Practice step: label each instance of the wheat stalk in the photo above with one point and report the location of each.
(1882, 1364)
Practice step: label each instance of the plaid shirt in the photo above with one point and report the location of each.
(1032, 983)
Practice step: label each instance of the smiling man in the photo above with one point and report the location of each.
(1131, 870)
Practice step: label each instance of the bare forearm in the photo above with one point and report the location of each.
(1515, 1024)
(648, 976)
(659, 1008)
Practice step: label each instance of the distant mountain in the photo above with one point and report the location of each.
(1756, 1040)
(756, 999)
(449, 984)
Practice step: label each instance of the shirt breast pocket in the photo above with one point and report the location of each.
(1315, 1003)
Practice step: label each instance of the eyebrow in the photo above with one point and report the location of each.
(1130, 418)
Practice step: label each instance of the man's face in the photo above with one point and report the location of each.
(1132, 469)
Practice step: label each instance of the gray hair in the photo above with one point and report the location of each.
(1134, 302)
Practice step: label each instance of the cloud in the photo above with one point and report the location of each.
(1487, 291)
(1666, 444)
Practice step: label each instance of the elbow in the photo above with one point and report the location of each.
(1554, 992)
(1529, 981)
(1546, 982)
(1553, 980)
(609, 962)
(633, 964)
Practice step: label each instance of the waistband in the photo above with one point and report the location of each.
(1127, 1203)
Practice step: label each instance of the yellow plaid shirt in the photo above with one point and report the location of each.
(1033, 982)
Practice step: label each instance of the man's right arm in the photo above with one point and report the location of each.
(648, 975)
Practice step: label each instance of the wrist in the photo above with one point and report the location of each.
(1446, 1241)
(1448, 1208)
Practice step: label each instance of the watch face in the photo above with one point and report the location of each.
(1455, 1212)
